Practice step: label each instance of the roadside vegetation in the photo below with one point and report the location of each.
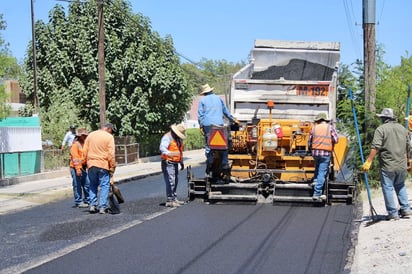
(149, 85)
(9, 68)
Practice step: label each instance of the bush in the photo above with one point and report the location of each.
(194, 140)
(150, 146)
(55, 159)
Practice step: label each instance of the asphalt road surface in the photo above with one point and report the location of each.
(195, 238)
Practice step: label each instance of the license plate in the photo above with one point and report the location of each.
(304, 90)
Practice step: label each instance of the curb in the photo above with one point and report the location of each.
(34, 177)
(64, 172)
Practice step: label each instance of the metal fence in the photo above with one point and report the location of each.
(16, 164)
(127, 153)
(53, 159)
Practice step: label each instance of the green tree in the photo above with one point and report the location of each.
(9, 69)
(217, 73)
(146, 88)
(195, 76)
(392, 90)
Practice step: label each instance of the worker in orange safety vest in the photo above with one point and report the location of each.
(322, 138)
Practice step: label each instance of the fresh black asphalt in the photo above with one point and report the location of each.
(195, 238)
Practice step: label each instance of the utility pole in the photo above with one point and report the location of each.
(369, 56)
(33, 44)
(101, 68)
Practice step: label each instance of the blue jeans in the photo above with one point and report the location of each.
(209, 152)
(99, 177)
(321, 170)
(81, 185)
(394, 181)
(170, 174)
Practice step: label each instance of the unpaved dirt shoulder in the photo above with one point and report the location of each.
(382, 246)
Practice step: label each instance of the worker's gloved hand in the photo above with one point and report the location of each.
(111, 181)
(236, 121)
(182, 166)
(78, 172)
(202, 131)
(62, 148)
(111, 171)
(366, 166)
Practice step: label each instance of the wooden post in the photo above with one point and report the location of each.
(101, 68)
(369, 64)
(33, 44)
(369, 54)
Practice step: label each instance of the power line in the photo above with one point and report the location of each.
(351, 22)
(381, 13)
(197, 64)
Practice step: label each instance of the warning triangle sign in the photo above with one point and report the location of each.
(217, 140)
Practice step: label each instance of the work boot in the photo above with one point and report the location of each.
(405, 213)
(83, 205)
(393, 217)
(92, 209)
(319, 198)
(172, 204)
(180, 202)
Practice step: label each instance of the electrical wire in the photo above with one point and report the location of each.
(197, 64)
(381, 13)
(350, 20)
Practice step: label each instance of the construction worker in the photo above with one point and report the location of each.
(69, 137)
(99, 151)
(171, 149)
(321, 140)
(211, 110)
(78, 170)
(391, 142)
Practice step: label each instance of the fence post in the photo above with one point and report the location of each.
(125, 153)
(1, 165)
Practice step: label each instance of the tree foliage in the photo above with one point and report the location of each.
(146, 88)
(391, 92)
(9, 69)
(217, 73)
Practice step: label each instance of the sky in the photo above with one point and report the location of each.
(227, 29)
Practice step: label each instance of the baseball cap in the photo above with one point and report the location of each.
(110, 125)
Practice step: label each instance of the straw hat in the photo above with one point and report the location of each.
(82, 132)
(322, 116)
(179, 130)
(387, 113)
(206, 89)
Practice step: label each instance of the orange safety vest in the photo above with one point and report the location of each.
(174, 147)
(321, 137)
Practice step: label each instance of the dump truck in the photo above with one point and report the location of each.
(276, 98)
